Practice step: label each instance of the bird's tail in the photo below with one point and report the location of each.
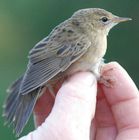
(18, 108)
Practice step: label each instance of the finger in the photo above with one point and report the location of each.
(43, 107)
(75, 105)
(124, 87)
(73, 110)
(123, 99)
(104, 121)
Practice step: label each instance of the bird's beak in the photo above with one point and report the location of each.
(117, 19)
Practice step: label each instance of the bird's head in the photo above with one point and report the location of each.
(98, 19)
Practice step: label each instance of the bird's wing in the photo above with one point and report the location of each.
(49, 59)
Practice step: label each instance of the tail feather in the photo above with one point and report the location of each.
(12, 100)
(24, 110)
(18, 108)
(13, 91)
(10, 112)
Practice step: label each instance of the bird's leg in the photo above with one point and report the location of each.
(51, 90)
(96, 69)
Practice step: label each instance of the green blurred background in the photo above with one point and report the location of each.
(25, 22)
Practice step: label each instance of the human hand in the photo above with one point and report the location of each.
(115, 114)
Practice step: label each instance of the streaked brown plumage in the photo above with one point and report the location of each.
(77, 44)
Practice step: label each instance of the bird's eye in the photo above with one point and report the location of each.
(104, 19)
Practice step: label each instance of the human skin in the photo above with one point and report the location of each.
(114, 113)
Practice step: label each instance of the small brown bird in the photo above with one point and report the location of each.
(77, 44)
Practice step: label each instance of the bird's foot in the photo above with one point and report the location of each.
(107, 80)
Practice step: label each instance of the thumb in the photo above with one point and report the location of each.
(73, 110)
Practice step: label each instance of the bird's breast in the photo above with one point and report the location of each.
(92, 57)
